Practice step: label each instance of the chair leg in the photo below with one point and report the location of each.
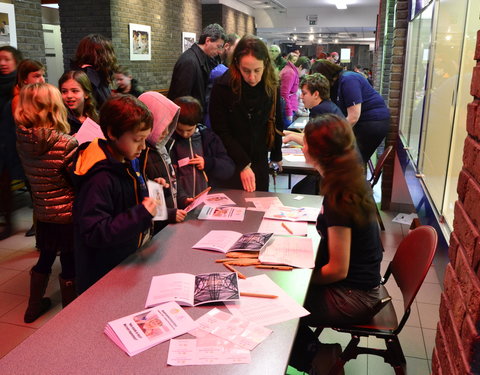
(395, 353)
(379, 218)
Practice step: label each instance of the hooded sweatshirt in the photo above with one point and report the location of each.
(158, 164)
(110, 220)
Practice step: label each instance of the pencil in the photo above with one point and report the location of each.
(283, 268)
(245, 294)
(287, 228)
(239, 274)
(223, 260)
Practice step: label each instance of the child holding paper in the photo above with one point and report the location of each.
(46, 150)
(77, 96)
(112, 210)
(196, 151)
(165, 115)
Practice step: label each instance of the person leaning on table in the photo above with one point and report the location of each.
(344, 287)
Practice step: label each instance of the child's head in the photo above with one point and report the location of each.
(315, 88)
(126, 123)
(190, 115)
(10, 57)
(97, 51)
(123, 78)
(41, 106)
(30, 71)
(77, 94)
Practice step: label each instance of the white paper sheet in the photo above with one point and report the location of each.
(265, 311)
(233, 328)
(292, 213)
(155, 191)
(219, 199)
(183, 162)
(264, 203)
(208, 350)
(294, 158)
(299, 228)
(292, 251)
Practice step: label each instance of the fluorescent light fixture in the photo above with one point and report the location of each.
(294, 37)
(311, 37)
(320, 40)
(335, 41)
(341, 4)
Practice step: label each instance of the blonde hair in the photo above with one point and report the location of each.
(41, 106)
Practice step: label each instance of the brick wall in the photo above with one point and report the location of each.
(457, 344)
(167, 19)
(233, 21)
(28, 17)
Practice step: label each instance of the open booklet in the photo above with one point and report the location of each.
(227, 240)
(292, 251)
(292, 213)
(155, 191)
(222, 213)
(198, 199)
(190, 290)
(142, 330)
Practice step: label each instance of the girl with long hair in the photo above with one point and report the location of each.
(46, 150)
(344, 288)
(78, 98)
(245, 112)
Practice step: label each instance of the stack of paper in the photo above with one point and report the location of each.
(142, 330)
(292, 213)
(292, 251)
(222, 213)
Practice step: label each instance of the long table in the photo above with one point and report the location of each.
(73, 341)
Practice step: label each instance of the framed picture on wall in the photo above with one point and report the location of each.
(188, 39)
(140, 42)
(8, 28)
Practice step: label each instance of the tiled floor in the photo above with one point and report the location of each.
(18, 255)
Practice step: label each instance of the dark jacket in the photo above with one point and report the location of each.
(9, 158)
(110, 220)
(242, 127)
(158, 164)
(46, 155)
(204, 142)
(100, 85)
(190, 75)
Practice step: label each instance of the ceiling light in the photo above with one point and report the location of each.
(311, 37)
(320, 40)
(341, 4)
(335, 41)
(294, 37)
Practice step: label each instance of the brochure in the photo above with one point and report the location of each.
(220, 199)
(142, 330)
(190, 290)
(198, 199)
(287, 228)
(155, 191)
(264, 203)
(226, 241)
(222, 213)
(89, 131)
(292, 213)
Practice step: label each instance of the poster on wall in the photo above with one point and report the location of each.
(188, 39)
(140, 42)
(8, 29)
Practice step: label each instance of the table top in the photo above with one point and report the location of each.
(299, 123)
(73, 341)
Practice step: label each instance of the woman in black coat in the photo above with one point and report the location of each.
(245, 112)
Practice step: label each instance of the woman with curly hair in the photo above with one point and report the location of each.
(96, 57)
(245, 112)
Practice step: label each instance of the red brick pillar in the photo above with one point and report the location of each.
(457, 344)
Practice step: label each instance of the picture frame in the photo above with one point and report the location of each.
(140, 42)
(8, 27)
(188, 39)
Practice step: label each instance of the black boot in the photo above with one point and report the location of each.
(37, 304)
(67, 288)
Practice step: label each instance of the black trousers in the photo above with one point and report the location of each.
(369, 135)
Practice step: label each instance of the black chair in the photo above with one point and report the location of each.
(375, 176)
(409, 267)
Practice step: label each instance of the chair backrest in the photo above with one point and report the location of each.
(412, 261)
(379, 167)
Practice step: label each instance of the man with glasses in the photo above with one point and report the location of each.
(192, 69)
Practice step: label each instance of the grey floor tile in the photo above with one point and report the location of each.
(429, 315)
(413, 319)
(415, 366)
(7, 274)
(357, 366)
(20, 260)
(18, 242)
(9, 301)
(15, 316)
(429, 293)
(429, 338)
(432, 276)
(329, 336)
(411, 339)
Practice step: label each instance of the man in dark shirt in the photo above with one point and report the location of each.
(192, 69)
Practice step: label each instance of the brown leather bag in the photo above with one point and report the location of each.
(271, 123)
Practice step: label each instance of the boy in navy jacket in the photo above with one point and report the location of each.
(198, 154)
(112, 211)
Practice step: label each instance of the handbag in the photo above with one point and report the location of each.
(271, 123)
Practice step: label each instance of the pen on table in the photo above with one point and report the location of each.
(240, 275)
(283, 268)
(245, 294)
(287, 228)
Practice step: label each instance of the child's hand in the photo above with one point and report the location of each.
(180, 216)
(162, 182)
(188, 201)
(293, 137)
(151, 205)
(199, 161)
